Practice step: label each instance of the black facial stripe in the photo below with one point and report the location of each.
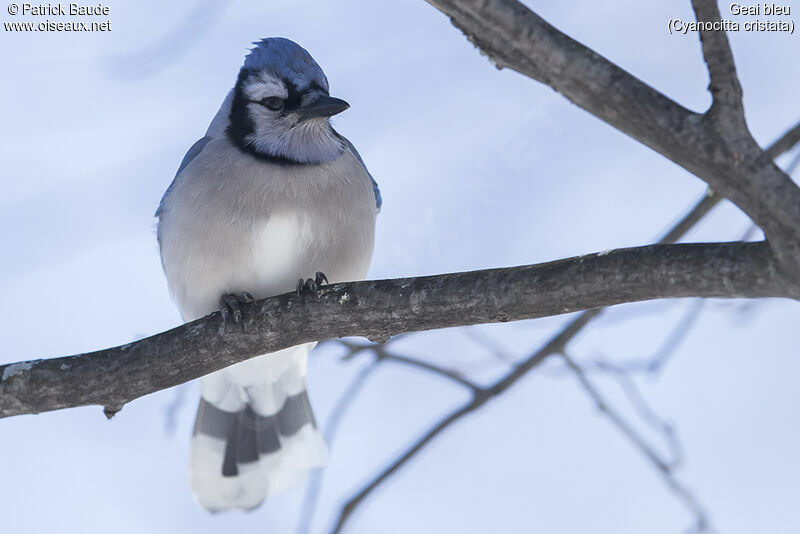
(241, 125)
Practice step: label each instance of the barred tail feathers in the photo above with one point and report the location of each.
(254, 437)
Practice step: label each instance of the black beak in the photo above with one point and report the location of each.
(325, 106)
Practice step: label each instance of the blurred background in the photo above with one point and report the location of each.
(478, 168)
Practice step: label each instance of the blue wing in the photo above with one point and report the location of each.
(187, 159)
(193, 152)
(375, 189)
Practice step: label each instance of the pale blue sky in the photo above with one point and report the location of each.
(478, 168)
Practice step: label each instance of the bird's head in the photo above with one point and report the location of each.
(281, 106)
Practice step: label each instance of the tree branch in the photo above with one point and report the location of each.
(720, 152)
(785, 142)
(724, 83)
(382, 354)
(663, 467)
(380, 309)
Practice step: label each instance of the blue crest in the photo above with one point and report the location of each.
(287, 60)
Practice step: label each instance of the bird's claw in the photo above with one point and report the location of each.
(312, 285)
(231, 306)
(309, 284)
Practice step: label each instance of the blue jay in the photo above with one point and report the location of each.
(271, 196)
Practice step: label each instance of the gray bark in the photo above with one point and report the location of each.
(380, 309)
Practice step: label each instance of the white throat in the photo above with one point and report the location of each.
(310, 141)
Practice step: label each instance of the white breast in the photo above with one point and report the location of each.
(276, 243)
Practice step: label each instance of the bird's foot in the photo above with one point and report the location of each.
(312, 285)
(231, 308)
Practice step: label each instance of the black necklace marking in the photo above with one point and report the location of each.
(241, 125)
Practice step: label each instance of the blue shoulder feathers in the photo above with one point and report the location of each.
(375, 189)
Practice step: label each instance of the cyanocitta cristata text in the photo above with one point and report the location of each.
(271, 195)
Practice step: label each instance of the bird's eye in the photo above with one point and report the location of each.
(274, 103)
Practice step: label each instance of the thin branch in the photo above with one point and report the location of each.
(383, 354)
(700, 210)
(489, 345)
(676, 337)
(645, 411)
(724, 85)
(784, 143)
(793, 164)
(353, 348)
(440, 427)
(663, 467)
(654, 363)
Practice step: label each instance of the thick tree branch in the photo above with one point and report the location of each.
(720, 152)
(379, 309)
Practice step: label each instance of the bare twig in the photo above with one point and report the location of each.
(693, 216)
(675, 338)
(725, 87)
(654, 363)
(784, 143)
(642, 408)
(382, 353)
(440, 427)
(662, 466)
(490, 345)
(794, 163)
